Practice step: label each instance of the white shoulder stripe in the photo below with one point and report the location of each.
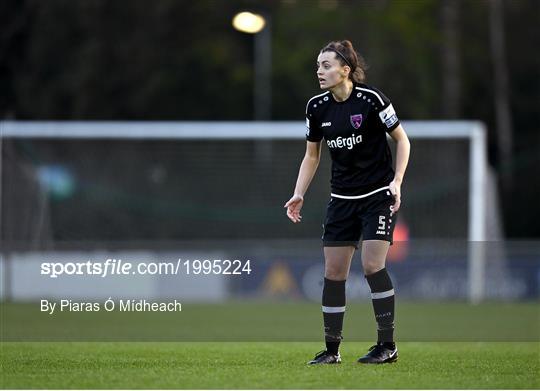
(373, 92)
(316, 96)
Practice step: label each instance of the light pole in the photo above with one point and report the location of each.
(259, 26)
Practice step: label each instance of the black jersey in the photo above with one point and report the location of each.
(355, 132)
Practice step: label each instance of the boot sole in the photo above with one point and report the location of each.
(388, 361)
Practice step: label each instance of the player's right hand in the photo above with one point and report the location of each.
(293, 208)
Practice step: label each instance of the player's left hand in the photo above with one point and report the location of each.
(395, 189)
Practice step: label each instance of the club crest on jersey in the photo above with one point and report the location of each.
(356, 120)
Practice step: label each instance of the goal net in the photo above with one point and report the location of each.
(145, 185)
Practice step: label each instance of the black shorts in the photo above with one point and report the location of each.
(348, 220)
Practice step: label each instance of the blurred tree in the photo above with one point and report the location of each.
(503, 114)
(182, 60)
(15, 21)
(136, 60)
(451, 61)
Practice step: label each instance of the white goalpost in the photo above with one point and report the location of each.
(473, 132)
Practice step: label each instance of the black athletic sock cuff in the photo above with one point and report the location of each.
(334, 283)
(333, 293)
(379, 281)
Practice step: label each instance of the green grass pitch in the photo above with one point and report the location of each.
(207, 365)
(441, 345)
(280, 321)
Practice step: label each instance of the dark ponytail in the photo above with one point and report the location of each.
(346, 55)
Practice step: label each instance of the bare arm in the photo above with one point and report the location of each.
(308, 167)
(403, 149)
(305, 175)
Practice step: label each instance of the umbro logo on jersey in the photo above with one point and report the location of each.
(324, 124)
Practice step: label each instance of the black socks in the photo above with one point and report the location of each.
(333, 306)
(382, 296)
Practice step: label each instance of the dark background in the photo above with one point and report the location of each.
(182, 60)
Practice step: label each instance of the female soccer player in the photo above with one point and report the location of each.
(353, 118)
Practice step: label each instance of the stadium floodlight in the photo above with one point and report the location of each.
(259, 26)
(248, 22)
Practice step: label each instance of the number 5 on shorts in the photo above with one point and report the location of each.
(382, 223)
